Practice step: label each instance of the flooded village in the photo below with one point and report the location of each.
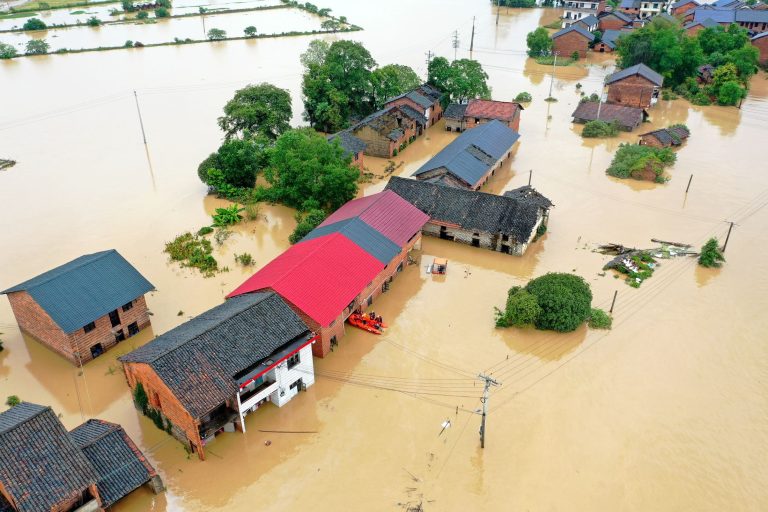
(148, 392)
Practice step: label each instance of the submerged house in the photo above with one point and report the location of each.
(454, 117)
(626, 118)
(424, 99)
(387, 131)
(45, 468)
(613, 20)
(207, 374)
(463, 116)
(570, 40)
(83, 308)
(610, 39)
(636, 86)
(665, 137)
(351, 145)
(342, 265)
(470, 159)
(507, 223)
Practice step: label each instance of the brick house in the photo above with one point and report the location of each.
(352, 146)
(454, 117)
(424, 99)
(389, 130)
(626, 118)
(754, 20)
(630, 7)
(472, 157)
(207, 374)
(483, 111)
(506, 224)
(610, 39)
(636, 86)
(665, 137)
(682, 7)
(760, 41)
(83, 308)
(588, 23)
(45, 468)
(570, 40)
(694, 27)
(614, 20)
(343, 265)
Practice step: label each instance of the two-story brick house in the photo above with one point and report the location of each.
(424, 99)
(83, 308)
(571, 40)
(636, 86)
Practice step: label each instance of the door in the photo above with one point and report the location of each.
(114, 318)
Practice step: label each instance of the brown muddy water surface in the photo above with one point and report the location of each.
(668, 411)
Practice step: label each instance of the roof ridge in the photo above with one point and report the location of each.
(114, 427)
(101, 254)
(38, 413)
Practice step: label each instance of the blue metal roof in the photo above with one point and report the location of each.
(77, 293)
(363, 235)
(463, 157)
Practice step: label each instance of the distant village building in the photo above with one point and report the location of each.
(352, 146)
(682, 7)
(385, 132)
(83, 308)
(636, 86)
(470, 159)
(425, 99)
(614, 20)
(760, 41)
(207, 374)
(626, 118)
(344, 264)
(460, 117)
(754, 20)
(693, 27)
(665, 137)
(574, 10)
(454, 117)
(588, 23)
(643, 8)
(507, 223)
(45, 468)
(570, 40)
(610, 39)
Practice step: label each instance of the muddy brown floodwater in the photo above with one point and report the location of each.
(668, 411)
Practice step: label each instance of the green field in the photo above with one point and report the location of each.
(17, 15)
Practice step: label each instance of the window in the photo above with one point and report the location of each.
(357, 155)
(119, 336)
(97, 350)
(128, 306)
(114, 318)
(504, 238)
(89, 327)
(294, 360)
(133, 329)
(297, 385)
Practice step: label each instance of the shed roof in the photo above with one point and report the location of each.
(469, 209)
(77, 293)
(759, 36)
(373, 242)
(627, 117)
(706, 23)
(415, 96)
(321, 276)
(386, 212)
(638, 69)
(39, 462)
(589, 21)
(491, 109)
(573, 28)
(681, 3)
(471, 154)
(610, 37)
(120, 466)
(455, 111)
(349, 143)
(621, 15)
(669, 136)
(199, 359)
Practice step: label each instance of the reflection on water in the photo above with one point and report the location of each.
(666, 412)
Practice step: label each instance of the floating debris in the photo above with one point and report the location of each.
(6, 164)
(639, 264)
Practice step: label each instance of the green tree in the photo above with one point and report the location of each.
(539, 42)
(305, 172)
(7, 51)
(461, 80)
(599, 129)
(128, 6)
(93, 21)
(142, 15)
(339, 87)
(315, 53)
(439, 76)
(599, 319)
(162, 12)
(216, 34)
(564, 300)
(730, 93)
(330, 25)
(250, 31)
(392, 80)
(711, 256)
(12, 401)
(163, 3)
(522, 309)
(306, 222)
(37, 47)
(34, 24)
(238, 161)
(262, 109)
(745, 60)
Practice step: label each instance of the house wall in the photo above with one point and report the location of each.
(284, 377)
(650, 140)
(602, 48)
(756, 27)
(471, 122)
(569, 43)
(418, 108)
(455, 125)
(762, 47)
(633, 91)
(357, 160)
(632, 11)
(677, 11)
(694, 30)
(610, 23)
(378, 145)
(185, 427)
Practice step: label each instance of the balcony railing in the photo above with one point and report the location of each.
(251, 398)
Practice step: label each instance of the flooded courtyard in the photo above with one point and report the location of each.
(667, 411)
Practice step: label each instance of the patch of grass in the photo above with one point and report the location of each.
(206, 230)
(252, 211)
(555, 25)
(550, 59)
(244, 259)
(599, 319)
(192, 251)
(77, 12)
(600, 129)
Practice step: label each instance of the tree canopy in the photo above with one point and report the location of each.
(711, 256)
(307, 172)
(392, 80)
(460, 80)
(538, 42)
(37, 47)
(7, 51)
(238, 161)
(564, 300)
(34, 24)
(262, 109)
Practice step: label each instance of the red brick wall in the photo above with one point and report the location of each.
(683, 9)
(610, 23)
(690, 32)
(469, 122)
(650, 140)
(633, 91)
(166, 402)
(358, 162)
(762, 46)
(569, 43)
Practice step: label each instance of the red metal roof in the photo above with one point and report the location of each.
(319, 276)
(490, 109)
(387, 213)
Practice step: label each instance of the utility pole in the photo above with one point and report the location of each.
(429, 59)
(530, 175)
(689, 184)
(498, 11)
(727, 237)
(613, 302)
(487, 385)
(141, 122)
(455, 43)
(472, 40)
(552, 81)
(600, 99)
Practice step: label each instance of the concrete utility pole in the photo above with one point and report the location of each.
(455, 43)
(552, 81)
(613, 302)
(141, 122)
(728, 236)
(600, 99)
(472, 40)
(530, 175)
(498, 11)
(429, 59)
(487, 385)
(689, 184)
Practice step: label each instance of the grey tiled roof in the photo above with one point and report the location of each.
(588, 20)
(626, 117)
(573, 28)
(455, 111)
(667, 135)
(611, 36)
(416, 97)
(349, 143)
(471, 210)
(464, 158)
(77, 293)
(681, 3)
(752, 15)
(120, 467)
(622, 16)
(715, 14)
(429, 91)
(528, 193)
(199, 359)
(630, 4)
(39, 462)
(706, 23)
(413, 114)
(637, 69)
(760, 36)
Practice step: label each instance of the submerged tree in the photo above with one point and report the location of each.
(37, 47)
(262, 109)
(711, 256)
(7, 51)
(217, 34)
(539, 42)
(565, 301)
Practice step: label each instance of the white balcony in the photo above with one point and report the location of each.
(251, 398)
